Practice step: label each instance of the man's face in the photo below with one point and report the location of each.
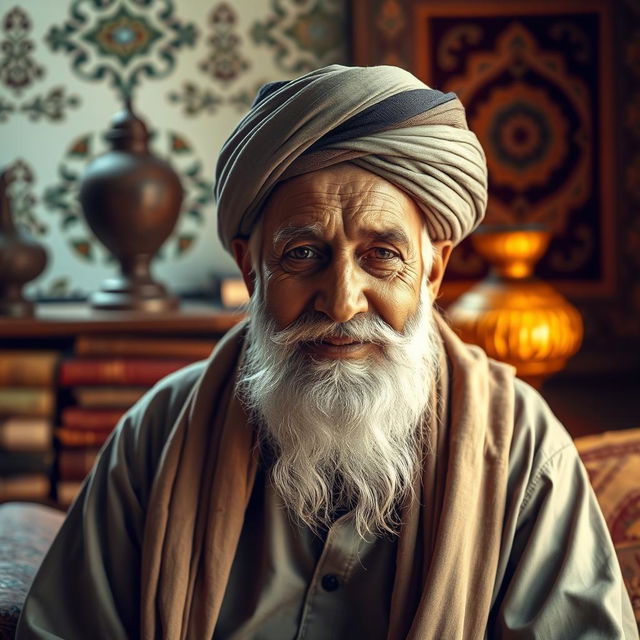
(341, 241)
(342, 347)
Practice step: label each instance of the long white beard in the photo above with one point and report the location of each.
(346, 434)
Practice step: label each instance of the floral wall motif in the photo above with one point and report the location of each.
(304, 34)
(191, 70)
(20, 69)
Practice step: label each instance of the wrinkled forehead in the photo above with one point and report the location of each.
(344, 194)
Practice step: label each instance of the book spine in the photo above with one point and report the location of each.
(233, 293)
(120, 371)
(81, 438)
(26, 402)
(67, 491)
(27, 368)
(16, 462)
(25, 434)
(75, 464)
(91, 419)
(107, 397)
(147, 347)
(30, 486)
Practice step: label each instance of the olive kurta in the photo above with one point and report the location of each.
(556, 576)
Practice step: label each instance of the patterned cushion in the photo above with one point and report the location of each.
(612, 460)
(26, 532)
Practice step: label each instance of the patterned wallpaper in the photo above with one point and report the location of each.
(191, 69)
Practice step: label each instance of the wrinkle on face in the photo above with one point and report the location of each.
(341, 237)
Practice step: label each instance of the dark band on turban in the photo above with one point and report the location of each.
(380, 118)
(385, 115)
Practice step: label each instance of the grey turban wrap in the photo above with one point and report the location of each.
(382, 119)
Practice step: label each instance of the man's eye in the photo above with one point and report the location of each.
(380, 253)
(302, 253)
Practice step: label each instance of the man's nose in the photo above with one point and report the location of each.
(341, 293)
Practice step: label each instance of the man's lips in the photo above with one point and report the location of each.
(340, 342)
(338, 347)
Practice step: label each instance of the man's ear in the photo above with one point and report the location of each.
(441, 253)
(242, 256)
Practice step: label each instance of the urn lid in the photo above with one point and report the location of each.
(128, 132)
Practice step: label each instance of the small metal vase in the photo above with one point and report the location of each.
(21, 259)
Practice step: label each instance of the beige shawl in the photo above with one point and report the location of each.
(449, 543)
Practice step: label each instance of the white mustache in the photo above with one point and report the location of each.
(315, 327)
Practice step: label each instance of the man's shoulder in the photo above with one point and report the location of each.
(539, 441)
(173, 390)
(533, 418)
(140, 437)
(151, 419)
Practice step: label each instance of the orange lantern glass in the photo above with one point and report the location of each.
(512, 315)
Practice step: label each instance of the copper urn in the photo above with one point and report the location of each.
(131, 200)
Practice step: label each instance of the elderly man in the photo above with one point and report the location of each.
(343, 466)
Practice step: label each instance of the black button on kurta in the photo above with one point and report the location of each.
(330, 582)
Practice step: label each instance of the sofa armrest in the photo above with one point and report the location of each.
(612, 460)
(26, 532)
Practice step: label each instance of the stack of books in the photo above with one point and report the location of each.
(105, 376)
(27, 409)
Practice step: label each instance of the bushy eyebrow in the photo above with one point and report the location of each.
(389, 236)
(293, 233)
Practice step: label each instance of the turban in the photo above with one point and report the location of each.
(382, 119)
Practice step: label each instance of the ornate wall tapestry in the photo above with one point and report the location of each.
(532, 77)
(552, 89)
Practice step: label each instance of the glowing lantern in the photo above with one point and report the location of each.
(513, 316)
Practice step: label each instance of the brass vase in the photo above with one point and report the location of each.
(21, 259)
(131, 200)
(512, 315)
